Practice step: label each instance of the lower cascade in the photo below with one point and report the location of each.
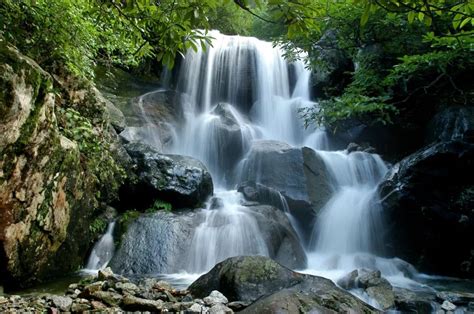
(102, 251)
(280, 191)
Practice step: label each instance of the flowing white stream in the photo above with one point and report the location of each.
(102, 251)
(242, 89)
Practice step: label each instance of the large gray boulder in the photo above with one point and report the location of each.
(155, 244)
(273, 287)
(299, 174)
(282, 241)
(161, 242)
(428, 199)
(180, 180)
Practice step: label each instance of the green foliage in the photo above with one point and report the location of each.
(98, 226)
(160, 205)
(424, 47)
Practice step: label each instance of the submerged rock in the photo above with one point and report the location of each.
(274, 287)
(180, 180)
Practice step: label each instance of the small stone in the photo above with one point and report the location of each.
(62, 303)
(93, 287)
(109, 298)
(3, 300)
(215, 298)
(105, 273)
(170, 297)
(73, 286)
(220, 309)
(162, 285)
(131, 303)
(187, 298)
(126, 287)
(97, 305)
(237, 305)
(366, 278)
(448, 306)
(348, 281)
(80, 307)
(195, 308)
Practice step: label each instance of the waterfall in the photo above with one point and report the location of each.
(240, 90)
(102, 251)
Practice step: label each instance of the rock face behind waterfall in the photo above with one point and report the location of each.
(183, 181)
(47, 187)
(160, 242)
(156, 243)
(299, 174)
(274, 288)
(428, 199)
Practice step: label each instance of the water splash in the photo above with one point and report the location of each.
(228, 230)
(103, 251)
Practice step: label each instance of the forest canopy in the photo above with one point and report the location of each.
(395, 50)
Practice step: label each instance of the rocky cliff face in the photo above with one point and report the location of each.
(48, 182)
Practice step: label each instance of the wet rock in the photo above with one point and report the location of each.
(131, 303)
(180, 180)
(448, 306)
(453, 123)
(156, 243)
(283, 244)
(299, 174)
(456, 297)
(349, 281)
(116, 117)
(383, 294)
(214, 298)
(220, 308)
(414, 301)
(105, 274)
(313, 295)
(427, 200)
(247, 279)
(368, 278)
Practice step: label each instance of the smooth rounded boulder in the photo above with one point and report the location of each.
(180, 180)
(273, 288)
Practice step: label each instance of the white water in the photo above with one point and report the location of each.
(253, 79)
(226, 231)
(103, 251)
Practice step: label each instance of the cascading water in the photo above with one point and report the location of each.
(242, 89)
(102, 251)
